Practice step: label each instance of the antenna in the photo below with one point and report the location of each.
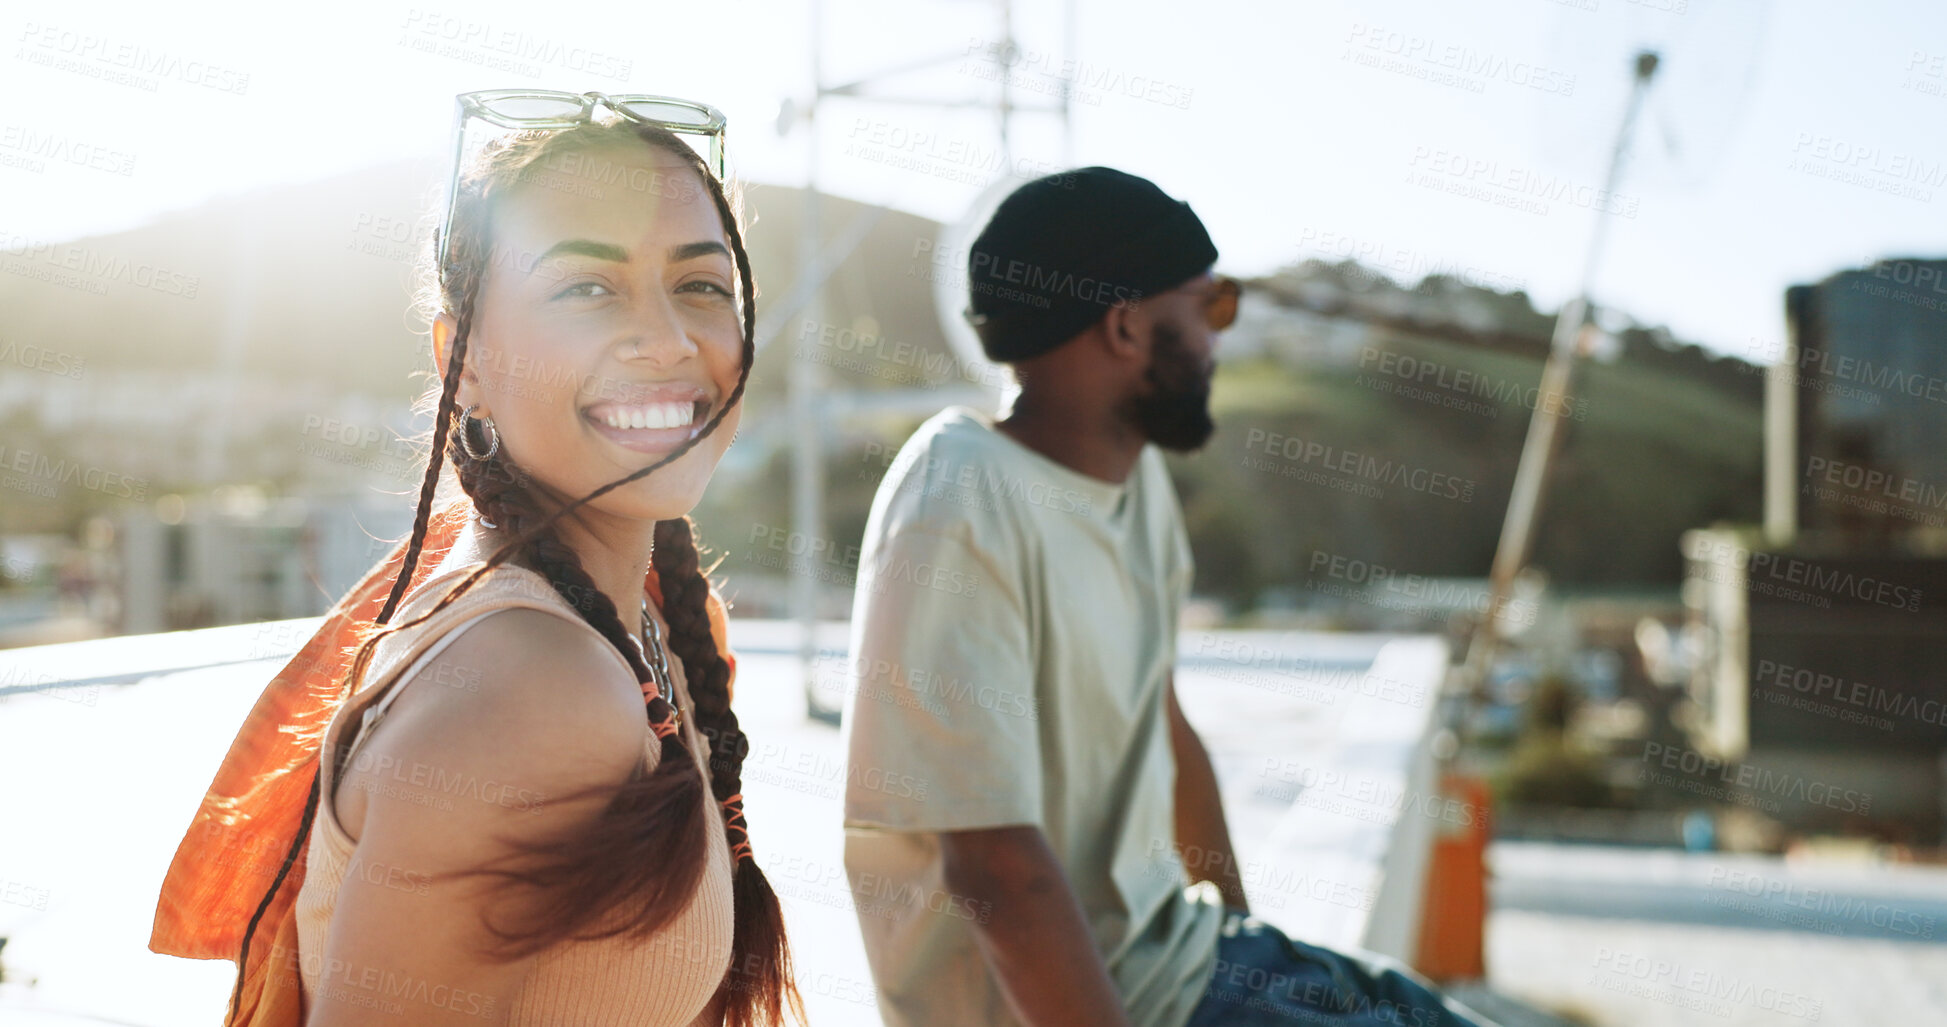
(1706, 54)
(812, 404)
(1544, 426)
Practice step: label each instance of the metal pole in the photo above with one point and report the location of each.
(804, 383)
(1007, 49)
(1068, 86)
(1544, 424)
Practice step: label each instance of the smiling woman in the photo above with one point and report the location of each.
(592, 320)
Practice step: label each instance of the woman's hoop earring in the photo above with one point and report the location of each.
(466, 438)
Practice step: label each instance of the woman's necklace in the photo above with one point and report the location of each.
(657, 657)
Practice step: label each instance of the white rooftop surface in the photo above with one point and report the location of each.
(1311, 743)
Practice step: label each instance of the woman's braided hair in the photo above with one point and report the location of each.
(637, 866)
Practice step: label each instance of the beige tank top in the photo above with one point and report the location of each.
(667, 981)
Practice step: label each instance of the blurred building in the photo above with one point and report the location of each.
(1824, 676)
(239, 557)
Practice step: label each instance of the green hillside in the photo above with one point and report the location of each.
(1650, 451)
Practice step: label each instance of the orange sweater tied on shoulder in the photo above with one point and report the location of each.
(249, 819)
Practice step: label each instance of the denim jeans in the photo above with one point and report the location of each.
(1265, 978)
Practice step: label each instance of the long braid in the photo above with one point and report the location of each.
(761, 965)
(283, 870)
(685, 607)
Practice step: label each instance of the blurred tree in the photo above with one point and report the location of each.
(1548, 767)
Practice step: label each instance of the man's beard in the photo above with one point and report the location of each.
(1175, 412)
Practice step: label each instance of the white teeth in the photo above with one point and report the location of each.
(652, 415)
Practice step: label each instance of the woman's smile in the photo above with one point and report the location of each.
(651, 418)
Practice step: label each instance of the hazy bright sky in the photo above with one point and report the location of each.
(1783, 140)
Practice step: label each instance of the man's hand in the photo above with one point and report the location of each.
(1036, 940)
(1202, 836)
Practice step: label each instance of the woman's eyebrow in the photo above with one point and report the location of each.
(587, 248)
(612, 252)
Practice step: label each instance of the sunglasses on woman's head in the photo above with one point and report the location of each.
(699, 124)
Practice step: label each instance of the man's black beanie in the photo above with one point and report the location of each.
(1063, 249)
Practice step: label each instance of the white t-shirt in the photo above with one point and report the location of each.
(1012, 633)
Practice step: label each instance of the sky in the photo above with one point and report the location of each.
(1779, 142)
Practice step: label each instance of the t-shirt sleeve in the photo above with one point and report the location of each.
(941, 711)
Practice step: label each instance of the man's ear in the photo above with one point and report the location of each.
(1125, 330)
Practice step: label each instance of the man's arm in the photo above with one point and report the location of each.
(1033, 933)
(1201, 833)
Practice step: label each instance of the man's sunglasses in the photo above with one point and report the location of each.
(1220, 310)
(699, 124)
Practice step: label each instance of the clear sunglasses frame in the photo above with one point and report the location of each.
(504, 108)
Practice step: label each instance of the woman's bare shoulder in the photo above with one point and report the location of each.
(523, 697)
